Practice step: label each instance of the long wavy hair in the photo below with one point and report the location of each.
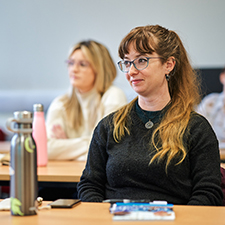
(105, 71)
(184, 88)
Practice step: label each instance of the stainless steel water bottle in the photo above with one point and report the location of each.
(23, 165)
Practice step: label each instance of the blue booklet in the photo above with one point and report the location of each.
(142, 211)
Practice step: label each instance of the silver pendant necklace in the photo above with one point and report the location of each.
(149, 124)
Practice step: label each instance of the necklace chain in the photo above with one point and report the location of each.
(149, 124)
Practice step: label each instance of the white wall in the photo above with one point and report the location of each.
(35, 35)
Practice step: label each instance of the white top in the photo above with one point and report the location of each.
(94, 108)
(213, 108)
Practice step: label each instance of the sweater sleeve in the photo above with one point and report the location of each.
(207, 105)
(205, 164)
(68, 149)
(91, 187)
(64, 149)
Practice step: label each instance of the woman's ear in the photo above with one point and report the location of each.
(170, 66)
(170, 63)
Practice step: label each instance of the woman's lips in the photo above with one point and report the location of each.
(136, 81)
(75, 77)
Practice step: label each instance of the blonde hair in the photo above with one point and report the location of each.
(183, 87)
(100, 60)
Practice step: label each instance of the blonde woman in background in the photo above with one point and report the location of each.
(71, 118)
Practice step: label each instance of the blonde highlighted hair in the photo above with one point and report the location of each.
(183, 87)
(105, 71)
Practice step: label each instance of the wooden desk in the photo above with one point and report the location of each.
(61, 171)
(222, 165)
(98, 214)
(56, 171)
(222, 154)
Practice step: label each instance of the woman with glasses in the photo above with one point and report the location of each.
(72, 117)
(156, 147)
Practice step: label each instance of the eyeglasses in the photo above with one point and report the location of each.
(82, 63)
(139, 63)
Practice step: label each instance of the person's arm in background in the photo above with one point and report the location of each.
(206, 106)
(61, 145)
(63, 142)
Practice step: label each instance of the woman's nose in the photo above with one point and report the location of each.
(132, 70)
(75, 67)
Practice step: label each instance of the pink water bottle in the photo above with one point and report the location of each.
(39, 134)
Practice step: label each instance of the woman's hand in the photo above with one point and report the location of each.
(58, 132)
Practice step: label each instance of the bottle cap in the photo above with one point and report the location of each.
(38, 108)
(23, 116)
